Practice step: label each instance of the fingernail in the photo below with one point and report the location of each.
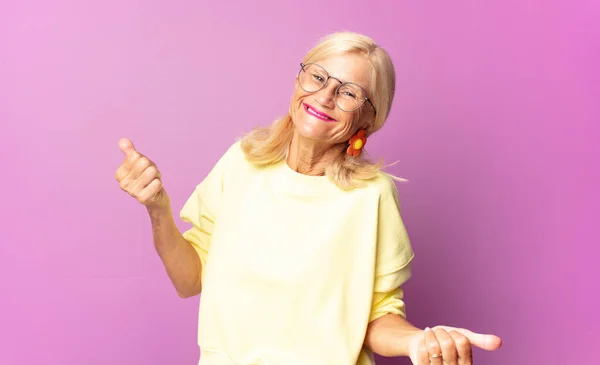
(427, 329)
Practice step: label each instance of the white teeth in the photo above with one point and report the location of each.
(320, 115)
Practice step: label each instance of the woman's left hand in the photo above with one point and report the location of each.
(445, 345)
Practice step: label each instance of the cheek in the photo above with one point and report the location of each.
(294, 102)
(297, 97)
(351, 122)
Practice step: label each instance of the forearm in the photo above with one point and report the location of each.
(389, 335)
(178, 256)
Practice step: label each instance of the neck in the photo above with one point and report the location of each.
(311, 157)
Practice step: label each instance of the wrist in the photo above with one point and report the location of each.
(391, 336)
(413, 342)
(408, 342)
(158, 212)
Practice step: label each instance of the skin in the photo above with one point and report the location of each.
(139, 177)
(314, 145)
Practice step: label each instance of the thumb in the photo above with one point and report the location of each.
(483, 341)
(126, 146)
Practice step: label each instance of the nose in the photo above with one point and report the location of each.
(326, 96)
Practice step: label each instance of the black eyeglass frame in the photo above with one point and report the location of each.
(302, 65)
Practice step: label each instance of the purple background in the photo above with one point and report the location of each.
(495, 124)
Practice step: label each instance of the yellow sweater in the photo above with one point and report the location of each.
(294, 268)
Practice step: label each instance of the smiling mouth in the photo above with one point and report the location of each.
(318, 114)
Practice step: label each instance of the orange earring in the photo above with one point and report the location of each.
(357, 142)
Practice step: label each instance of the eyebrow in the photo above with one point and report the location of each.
(340, 80)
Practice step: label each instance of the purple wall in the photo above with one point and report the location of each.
(495, 126)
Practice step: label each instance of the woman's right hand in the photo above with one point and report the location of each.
(140, 178)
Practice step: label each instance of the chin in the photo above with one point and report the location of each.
(311, 128)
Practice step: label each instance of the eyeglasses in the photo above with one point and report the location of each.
(348, 95)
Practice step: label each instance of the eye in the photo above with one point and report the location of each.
(349, 94)
(318, 78)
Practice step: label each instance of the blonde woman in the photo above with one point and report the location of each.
(296, 240)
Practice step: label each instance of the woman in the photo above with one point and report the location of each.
(297, 243)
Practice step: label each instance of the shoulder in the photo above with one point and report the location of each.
(226, 163)
(234, 152)
(232, 157)
(233, 166)
(383, 185)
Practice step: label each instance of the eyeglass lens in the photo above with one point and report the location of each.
(349, 96)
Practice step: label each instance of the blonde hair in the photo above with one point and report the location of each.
(269, 145)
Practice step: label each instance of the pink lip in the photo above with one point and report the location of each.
(317, 113)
